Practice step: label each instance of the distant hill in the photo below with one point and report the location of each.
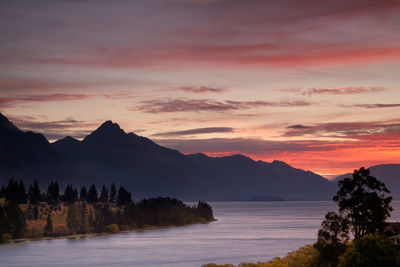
(109, 154)
(29, 156)
(387, 173)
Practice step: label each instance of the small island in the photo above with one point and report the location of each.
(43, 215)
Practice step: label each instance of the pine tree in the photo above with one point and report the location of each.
(48, 229)
(72, 218)
(124, 197)
(34, 194)
(15, 222)
(53, 194)
(91, 221)
(92, 195)
(21, 193)
(83, 194)
(113, 193)
(83, 221)
(69, 194)
(104, 194)
(12, 191)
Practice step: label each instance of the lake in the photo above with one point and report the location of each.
(245, 231)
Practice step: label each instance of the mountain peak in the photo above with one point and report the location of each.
(5, 124)
(109, 126)
(108, 130)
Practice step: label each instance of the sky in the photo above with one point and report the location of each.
(313, 83)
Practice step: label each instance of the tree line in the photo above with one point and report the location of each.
(88, 211)
(15, 191)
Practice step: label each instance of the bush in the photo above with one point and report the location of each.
(5, 238)
(34, 232)
(112, 228)
(371, 250)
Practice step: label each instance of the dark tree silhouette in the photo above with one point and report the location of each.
(21, 193)
(363, 201)
(48, 229)
(53, 193)
(113, 193)
(372, 250)
(92, 195)
(124, 197)
(332, 238)
(104, 194)
(70, 194)
(14, 220)
(34, 194)
(205, 211)
(83, 194)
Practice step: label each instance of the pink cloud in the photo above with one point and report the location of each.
(195, 105)
(336, 91)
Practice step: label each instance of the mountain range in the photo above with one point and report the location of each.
(109, 154)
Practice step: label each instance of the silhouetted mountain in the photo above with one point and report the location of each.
(387, 173)
(29, 156)
(147, 169)
(139, 164)
(243, 178)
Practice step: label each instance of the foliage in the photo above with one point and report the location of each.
(372, 250)
(123, 197)
(306, 256)
(6, 237)
(332, 238)
(104, 194)
(113, 193)
(34, 195)
(53, 193)
(15, 191)
(92, 194)
(12, 220)
(205, 211)
(363, 208)
(83, 194)
(363, 201)
(70, 194)
(48, 229)
(112, 228)
(93, 215)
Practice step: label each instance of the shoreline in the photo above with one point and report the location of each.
(89, 235)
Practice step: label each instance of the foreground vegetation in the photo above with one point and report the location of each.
(364, 205)
(39, 214)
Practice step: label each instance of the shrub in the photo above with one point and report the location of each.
(112, 228)
(5, 238)
(372, 250)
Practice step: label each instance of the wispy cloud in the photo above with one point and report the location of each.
(202, 89)
(10, 101)
(377, 105)
(196, 131)
(354, 130)
(195, 105)
(54, 129)
(335, 91)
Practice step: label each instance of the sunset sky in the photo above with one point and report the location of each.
(313, 83)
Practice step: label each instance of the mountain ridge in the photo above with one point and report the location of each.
(109, 154)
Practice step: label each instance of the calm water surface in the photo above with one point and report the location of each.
(246, 231)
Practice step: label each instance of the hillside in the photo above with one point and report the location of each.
(29, 156)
